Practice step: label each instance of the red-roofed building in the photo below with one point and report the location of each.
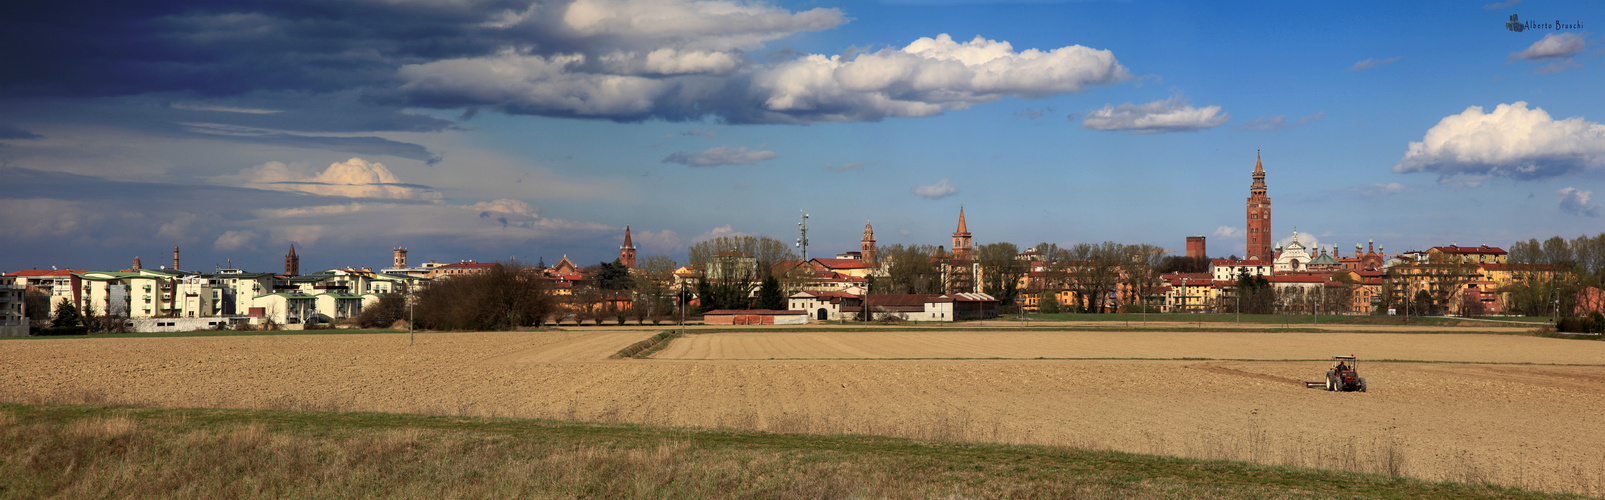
(464, 268)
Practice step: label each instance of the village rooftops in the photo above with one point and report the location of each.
(1485, 249)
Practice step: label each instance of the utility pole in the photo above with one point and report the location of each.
(802, 241)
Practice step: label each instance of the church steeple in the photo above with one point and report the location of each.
(627, 252)
(961, 238)
(292, 262)
(1259, 215)
(867, 246)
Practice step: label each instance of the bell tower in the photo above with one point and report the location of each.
(867, 246)
(961, 239)
(627, 251)
(292, 262)
(1259, 215)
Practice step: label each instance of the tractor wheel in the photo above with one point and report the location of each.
(1362, 384)
(1329, 385)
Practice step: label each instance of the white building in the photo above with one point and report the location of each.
(13, 310)
(1292, 258)
(1228, 270)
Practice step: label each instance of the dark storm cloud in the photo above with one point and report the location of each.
(228, 48)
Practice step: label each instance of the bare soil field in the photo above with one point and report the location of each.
(1513, 410)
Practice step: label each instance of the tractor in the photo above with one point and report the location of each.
(1343, 377)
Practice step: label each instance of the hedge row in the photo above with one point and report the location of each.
(648, 346)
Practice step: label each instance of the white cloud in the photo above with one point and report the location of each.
(718, 25)
(1575, 201)
(724, 230)
(1553, 46)
(927, 77)
(505, 206)
(1228, 232)
(1372, 63)
(672, 62)
(722, 155)
(234, 240)
(1170, 115)
(225, 109)
(1511, 141)
(662, 241)
(178, 227)
(940, 189)
(845, 167)
(353, 178)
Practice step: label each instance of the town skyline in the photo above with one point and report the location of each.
(1054, 122)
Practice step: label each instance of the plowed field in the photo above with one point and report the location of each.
(1507, 409)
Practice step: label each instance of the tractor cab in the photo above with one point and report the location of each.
(1344, 376)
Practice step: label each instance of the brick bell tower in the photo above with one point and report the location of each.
(292, 262)
(867, 246)
(961, 239)
(1259, 215)
(627, 251)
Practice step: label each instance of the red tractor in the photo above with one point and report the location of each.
(1343, 377)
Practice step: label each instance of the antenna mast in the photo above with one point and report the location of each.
(802, 242)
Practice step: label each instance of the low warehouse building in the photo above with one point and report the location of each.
(754, 317)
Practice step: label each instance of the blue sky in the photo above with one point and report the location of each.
(493, 129)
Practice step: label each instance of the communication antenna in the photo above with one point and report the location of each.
(802, 242)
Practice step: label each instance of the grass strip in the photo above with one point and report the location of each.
(97, 451)
(646, 347)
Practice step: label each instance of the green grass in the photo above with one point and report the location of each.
(96, 451)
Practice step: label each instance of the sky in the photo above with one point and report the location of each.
(491, 130)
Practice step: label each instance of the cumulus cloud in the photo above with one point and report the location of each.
(224, 109)
(234, 240)
(1372, 63)
(1575, 201)
(725, 230)
(354, 178)
(1170, 115)
(716, 25)
(660, 241)
(504, 206)
(845, 167)
(941, 189)
(722, 155)
(1228, 232)
(1553, 46)
(1511, 141)
(924, 78)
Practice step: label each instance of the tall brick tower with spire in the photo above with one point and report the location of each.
(867, 246)
(627, 252)
(961, 239)
(1259, 216)
(292, 262)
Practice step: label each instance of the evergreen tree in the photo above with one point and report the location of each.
(770, 296)
(67, 315)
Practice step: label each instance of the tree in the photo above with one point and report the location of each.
(37, 303)
(613, 276)
(910, 269)
(1255, 294)
(732, 267)
(67, 315)
(506, 297)
(390, 308)
(1001, 271)
(770, 296)
(1048, 302)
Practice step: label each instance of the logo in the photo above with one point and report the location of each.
(1514, 25)
(1519, 26)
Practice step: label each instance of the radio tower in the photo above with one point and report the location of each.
(802, 242)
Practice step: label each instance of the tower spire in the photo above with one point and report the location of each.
(627, 251)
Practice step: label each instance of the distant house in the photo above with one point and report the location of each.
(933, 307)
(754, 317)
(827, 305)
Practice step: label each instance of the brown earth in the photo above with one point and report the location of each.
(1507, 409)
